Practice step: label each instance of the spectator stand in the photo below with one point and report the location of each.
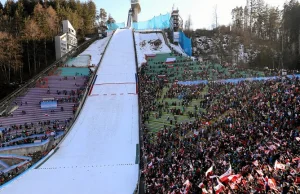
(216, 116)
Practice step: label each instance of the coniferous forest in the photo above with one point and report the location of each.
(27, 31)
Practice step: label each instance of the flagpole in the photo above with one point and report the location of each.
(212, 186)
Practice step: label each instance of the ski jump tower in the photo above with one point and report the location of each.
(136, 9)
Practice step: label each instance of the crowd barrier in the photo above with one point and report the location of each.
(7, 156)
(157, 22)
(234, 81)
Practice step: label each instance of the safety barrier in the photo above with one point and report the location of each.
(140, 131)
(185, 43)
(114, 26)
(235, 80)
(157, 22)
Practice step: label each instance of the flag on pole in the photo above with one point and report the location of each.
(224, 177)
(209, 171)
(219, 188)
(278, 166)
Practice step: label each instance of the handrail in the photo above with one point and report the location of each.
(71, 53)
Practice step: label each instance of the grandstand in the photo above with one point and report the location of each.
(37, 119)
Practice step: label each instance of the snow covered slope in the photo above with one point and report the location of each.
(178, 49)
(99, 153)
(96, 50)
(149, 43)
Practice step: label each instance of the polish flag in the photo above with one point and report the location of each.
(224, 177)
(279, 166)
(233, 178)
(272, 184)
(188, 185)
(255, 163)
(204, 191)
(219, 188)
(260, 172)
(209, 171)
(296, 159)
(201, 185)
(233, 186)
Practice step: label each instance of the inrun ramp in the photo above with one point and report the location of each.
(99, 153)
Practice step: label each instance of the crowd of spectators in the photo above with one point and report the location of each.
(29, 132)
(240, 138)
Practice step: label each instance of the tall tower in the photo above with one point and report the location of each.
(176, 25)
(136, 9)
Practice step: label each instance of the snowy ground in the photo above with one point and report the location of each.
(145, 45)
(178, 49)
(96, 50)
(99, 153)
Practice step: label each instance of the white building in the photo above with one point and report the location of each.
(66, 41)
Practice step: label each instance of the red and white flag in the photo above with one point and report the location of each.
(272, 184)
(255, 163)
(278, 166)
(260, 172)
(209, 171)
(188, 185)
(224, 177)
(233, 186)
(201, 185)
(219, 188)
(204, 191)
(233, 178)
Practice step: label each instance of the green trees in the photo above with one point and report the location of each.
(27, 31)
(291, 34)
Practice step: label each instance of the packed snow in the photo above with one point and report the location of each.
(149, 43)
(96, 50)
(99, 153)
(178, 49)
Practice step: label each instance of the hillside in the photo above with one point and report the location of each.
(233, 49)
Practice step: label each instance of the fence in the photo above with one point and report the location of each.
(140, 184)
(235, 81)
(185, 43)
(114, 26)
(156, 23)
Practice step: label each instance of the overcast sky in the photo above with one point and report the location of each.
(201, 11)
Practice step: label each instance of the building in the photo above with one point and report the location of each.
(66, 41)
(136, 9)
(176, 24)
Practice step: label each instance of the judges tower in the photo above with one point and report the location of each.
(136, 9)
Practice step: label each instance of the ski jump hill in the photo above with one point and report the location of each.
(100, 152)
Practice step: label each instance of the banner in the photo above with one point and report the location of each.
(48, 104)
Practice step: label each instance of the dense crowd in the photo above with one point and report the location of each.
(26, 131)
(240, 138)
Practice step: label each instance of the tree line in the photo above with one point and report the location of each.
(276, 29)
(27, 31)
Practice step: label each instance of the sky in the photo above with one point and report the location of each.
(201, 11)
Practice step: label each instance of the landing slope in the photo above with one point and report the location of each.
(99, 153)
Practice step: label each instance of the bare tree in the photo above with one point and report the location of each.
(216, 16)
(188, 24)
